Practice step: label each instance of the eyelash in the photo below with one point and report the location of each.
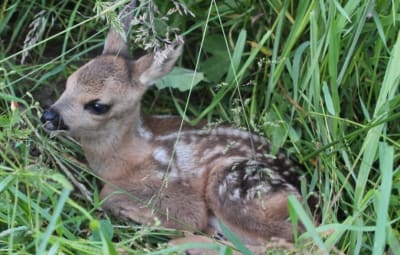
(96, 108)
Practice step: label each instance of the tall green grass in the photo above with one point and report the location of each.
(318, 78)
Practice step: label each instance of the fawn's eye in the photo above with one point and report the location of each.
(97, 108)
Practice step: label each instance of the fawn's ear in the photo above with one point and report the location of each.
(155, 65)
(115, 44)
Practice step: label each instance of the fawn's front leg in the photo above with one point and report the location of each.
(176, 205)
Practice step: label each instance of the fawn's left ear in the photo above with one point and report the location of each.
(153, 66)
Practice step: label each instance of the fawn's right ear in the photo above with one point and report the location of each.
(153, 66)
(115, 44)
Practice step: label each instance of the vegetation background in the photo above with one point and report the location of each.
(318, 78)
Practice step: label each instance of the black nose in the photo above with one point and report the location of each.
(52, 120)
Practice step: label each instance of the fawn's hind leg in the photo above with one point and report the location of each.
(251, 200)
(176, 206)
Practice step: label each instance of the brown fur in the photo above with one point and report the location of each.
(218, 172)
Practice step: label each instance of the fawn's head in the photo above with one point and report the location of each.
(107, 90)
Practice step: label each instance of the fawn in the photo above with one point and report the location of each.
(188, 179)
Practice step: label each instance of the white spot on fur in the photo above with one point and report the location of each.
(210, 153)
(186, 158)
(161, 155)
(174, 135)
(232, 177)
(234, 132)
(287, 162)
(281, 156)
(275, 168)
(269, 156)
(269, 159)
(167, 116)
(167, 137)
(277, 181)
(222, 189)
(235, 195)
(259, 155)
(193, 139)
(144, 133)
(290, 187)
(262, 188)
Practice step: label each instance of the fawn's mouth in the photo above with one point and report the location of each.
(49, 126)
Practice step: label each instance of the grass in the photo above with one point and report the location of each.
(318, 78)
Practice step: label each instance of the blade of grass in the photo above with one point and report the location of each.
(386, 154)
(234, 239)
(369, 147)
(52, 224)
(355, 41)
(237, 56)
(68, 32)
(389, 87)
(307, 223)
(296, 31)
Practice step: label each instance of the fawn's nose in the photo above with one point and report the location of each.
(52, 120)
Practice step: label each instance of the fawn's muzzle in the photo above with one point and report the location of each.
(52, 120)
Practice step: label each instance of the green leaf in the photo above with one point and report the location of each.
(180, 78)
(215, 44)
(217, 63)
(102, 227)
(212, 67)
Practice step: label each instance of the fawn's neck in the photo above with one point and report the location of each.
(110, 155)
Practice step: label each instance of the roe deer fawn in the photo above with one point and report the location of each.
(190, 178)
